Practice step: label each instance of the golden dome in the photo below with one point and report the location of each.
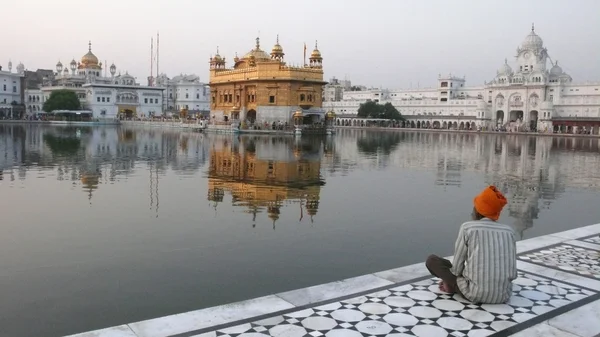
(277, 49)
(316, 54)
(89, 58)
(298, 114)
(258, 53)
(218, 57)
(330, 114)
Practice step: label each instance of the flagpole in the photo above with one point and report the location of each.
(304, 59)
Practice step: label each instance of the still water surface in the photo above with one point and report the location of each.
(105, 226)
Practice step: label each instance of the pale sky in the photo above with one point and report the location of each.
(389, 43)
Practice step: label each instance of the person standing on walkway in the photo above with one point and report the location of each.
(485, 261)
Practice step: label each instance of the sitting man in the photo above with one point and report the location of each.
(485, 261)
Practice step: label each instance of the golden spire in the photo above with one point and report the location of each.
(257, 43)
(90, 45)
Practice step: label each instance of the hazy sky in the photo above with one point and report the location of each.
(390, 43)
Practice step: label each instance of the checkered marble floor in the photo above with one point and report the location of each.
(416, 309)
(595, 239)
(577, 260)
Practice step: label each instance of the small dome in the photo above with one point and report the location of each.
(89, 58)
(73, 62)
(532, 41)
(236, 59)
(277, 50)
(59, 64)
(113, 66)
(556, 70)
(505, 70)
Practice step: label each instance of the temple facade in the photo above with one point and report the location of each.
(262, 88)
(534, 94)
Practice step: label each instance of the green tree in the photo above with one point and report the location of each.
(372, 109)
(62, 100)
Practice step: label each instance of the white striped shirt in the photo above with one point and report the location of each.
(485, 261)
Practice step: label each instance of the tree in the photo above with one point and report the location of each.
(62, 100)
(371, 109)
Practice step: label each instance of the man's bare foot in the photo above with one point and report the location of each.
(445, 288)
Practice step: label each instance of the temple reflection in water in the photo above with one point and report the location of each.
(265, 174)
(531, 171)
(268, 173)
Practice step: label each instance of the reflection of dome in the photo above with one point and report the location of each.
(505, 70)
(532, 41)
(89, 58)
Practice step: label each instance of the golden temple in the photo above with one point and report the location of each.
(263, 88)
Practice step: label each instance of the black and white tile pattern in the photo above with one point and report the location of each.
(416, 309)
(577, 260)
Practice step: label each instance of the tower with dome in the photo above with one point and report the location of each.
(533, 93)
(108, 94)
(261, 88)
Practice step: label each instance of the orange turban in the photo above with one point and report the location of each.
(490, 202)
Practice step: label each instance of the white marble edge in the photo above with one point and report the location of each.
(205, 318)
(583, 244)
(580, 232)
(115, 331)
(559, 276)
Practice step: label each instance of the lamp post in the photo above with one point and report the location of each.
(329, 122)
(298, 122)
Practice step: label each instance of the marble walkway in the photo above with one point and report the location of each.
(557, 293)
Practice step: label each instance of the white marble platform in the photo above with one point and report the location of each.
(557, 294)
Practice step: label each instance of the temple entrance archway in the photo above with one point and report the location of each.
(467, 126)
(418, 124)
(455, 125)
(516, 115)
(251, 116)
(461, 126)
(499, 117)
(436, 125)
(444, 125)
(533, 119)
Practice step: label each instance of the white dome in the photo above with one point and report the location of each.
(532, 41)
(505, 70)
(556, 70)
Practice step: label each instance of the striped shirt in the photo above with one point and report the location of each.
(485, 261)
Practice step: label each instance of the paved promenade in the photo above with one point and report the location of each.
(557, 293)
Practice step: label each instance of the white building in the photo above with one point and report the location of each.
(185, 92)
(10, 90)
(536, 95)
(107, 96)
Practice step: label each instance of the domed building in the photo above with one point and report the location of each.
(261, 88)
(11, 85)
(106, 93)
(533, 93)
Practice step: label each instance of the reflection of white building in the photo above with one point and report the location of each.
(10, 89)
(105, 95)
(184, 92)
(536, 94)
